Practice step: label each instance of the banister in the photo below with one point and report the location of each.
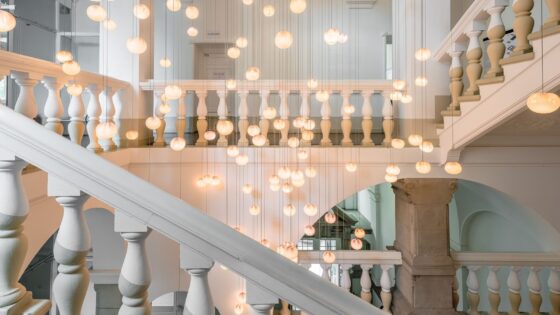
(506, 258)
(353, 257)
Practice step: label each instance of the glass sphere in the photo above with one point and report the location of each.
(287, 188)
(310, 209)
(423, 167)
(293, 142)
(164, 108)
(299, 122)
(233, 52)
(106, 130)
(215, 181)
(192, 31)
(359, 233)
(207, 179)
(298, 6)
(153, 122)
(398, 143)
(307, 135)
(241, 42)
(312, 84)
(173, 5)
(299, 182)
(426, 146)
(399, 84)
(200, 183)
(309, 124)
(329, 257)
(393, 169)
(63, 56)
(254, 210)
(141, 11)
(210, 135)
(289, 210)
(391, 178)
(330, 217)
(268, 10)
(395, 96)
(284, 172)
(453, 168)
(297, 175)
(342, 38)
(309, 230)
(224, 127)
(172, 92)
(191, 12)
(71, 67)
(322, 96)
(269, 112)
(242, 160)
(415, 139)
(232, 151)
(279, 124)
(259, 140)
(421, 81)
(275, 187)
(238, 309)
(253, 130)
(231, 84)
(543, 103)
(247, 189)
(265, 242)
(274, 180)
(165, 63)
(423, 54)
(177, 144)
(131, 135)
(283, 39)
(406, 98)
(247, 2)
(331, 36)
(74, 89)
(310, 172)
(348, 109)
(136, 45)
(96, 13)
(7, 21)
(252, 74)
(302, 154)
(351, 167)
(356, 244)
(109, 24)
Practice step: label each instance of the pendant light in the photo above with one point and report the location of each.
(298, 6)
(63, 56)
(7, 21)
(141, 11)
(268, 10)
(192, 31)
(191, 12)
(96, 13)
(241, 42)
(283, 40)
(173, 5)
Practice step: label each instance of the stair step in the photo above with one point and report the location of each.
(494, 80)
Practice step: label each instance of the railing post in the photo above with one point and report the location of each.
(367, 119)
(496, 47)
(305, 112)
(388, 122)
(260, 300)
(493, 285)
(118, 104)
(553, 14)
(514, 290)
(264, 124)
(93, 112)
(285, 116)
(456, 85)
(199, 298)
(222, 116)
(473, 286)
(107, 113)
(243, 123)
(554, 287)
(474, 66)
(534, 285)
(365, 282)
(386, 285)
(201, 122)
(522, 26)
(285, 308)
(326, 123)
(181, 121)
(76, 111)
(26, 103)
(53, 105)
(346, 123)
(346, 281)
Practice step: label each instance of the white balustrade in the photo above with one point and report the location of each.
(159, 140)
(76, 111)
(326, 123)
(118, 104)
(264, 124)
(388, 122)
(181, 122)
(473, 287)
(199, 298)
(474, 59)
(326, 272)
(346, 281)
(554, 288)
(514, 290)
(493, 285)
(53, 109)
(201, 112)
(25, 103)
(522, 26)
(284, 115)
(366, 283)
(386, 285)
(553, 18)
(243, 123)
(346, 123)
(93, 112)
(305, 112)
(222, 116)
(496, 48)
(367, 119)
(261, 300)
(534, 285)
(456, 86)
(107, 113)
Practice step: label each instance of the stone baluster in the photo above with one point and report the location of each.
(554, 287)
(326, 274)
(346, 123)
(285, 116)
(367, 119)
(222, 116)
(474, 66)
(54, 110)
(553, 18)
(493, 284)
(386, 285)
(534, 285)
(496, 47)
(326, 123)
(514, 290)
(76, 111)
(160, 131)
(260, 300)
(93, 111)
(522, 26)
(135, 277)
(201, 122)
(473, 287)
(264, 124)
(305, 112)
(456, 85)
(25, 103)
(243, 123)
(107, 113)
(285, 308)
(346, 281)
(118, 104)
(71, 247)
(455, 288)
(388, 122)
(181, 121)
(199, 298)
(365, 282)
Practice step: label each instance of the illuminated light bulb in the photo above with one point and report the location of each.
(406, 99)
(131, 135)
(399, 84)
(253, 130)
(136, 45)
(71, 67)
(259, 140)
(233, 52)
(153, 122)
(393, 169)
(200, 183)
(192, 31)
(330, 217)
(302, 154)
(254, 210)
(215, 181)
(287, 188)
(241, 42)
(298, 182)
(423, 167)
(247, 2)
(351, 167)
(207, 179)
(284, 172)
(63, 56)
(275, 187)
(543, 103)
(269, 112)
(310, 209)
(231, 84)
(307, 135)
(232, 151)
(331, 36)
(141, 11)
(224, 127)
(191, 12)
(242, 160)
(312, 84)
(348, 109)
(106, 130)
(297, 175)
(298, 6)
(395, 96)
(322, 96)
(74, 89)
(177, 144)
(426, 146)
(279, 124)
(289, 210)
(389, 178)
(453, 168)
(283, 39)
(309, 124)
(165, 63)
(359, 233)
(96, 13)
(293, 142)
(299, 122)
(309, 230)
(247, 189)
(274, 180)
(421, 81)
(109, 24)
(173, 92)
(423, 54)
(398, 143)
(164, 108)
(310, 172)
(329, 257)
(210, 135)
(342, 38)
(356, 244)
(242, 297)
(173, 5)
(252, 74)
(269, 10)
(415, 139)
(7, 21)
(265, 243)
(238, 308)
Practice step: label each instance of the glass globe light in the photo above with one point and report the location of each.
(342, 38)
(284, 172)
(136, 45)
(348, 109)
(299, 122)
(302, 154)
(7, 21)
(393, 169)
(406, 98)
(421, 81)
(543, 103)
(274, 180)
(242, 160)
(359, 233)
(232, 151)
(268, 10)
(131, 135)
(207, 179)
(287, 188)
(293, 142)
(312, 84)
(191, 12)
(283, 39)
(74, 89)
(241, 42)
(177, 144)
(309, 230)
(331, 36)
(279, 124)
(426, 146)
(423, 167)
(309, 124)
(423, 54)
(275, 187)
(265, 242)
(289, 210)
(453, 168)
(224, 127)
(307, 135)
(96, 13)
(299, 182)
(192, 31)
(259, 140)
(322, 96)
(231, 84)
(233, 52)
(310, 209)
(173, 5)
(238, 308)
(254, 210)
(247, 2)
(329, 257)
(389, 178)
(210, 135)
(297, 175)
(106, 130)
(247, 189)
(109, 24)
(351, 167)
(153, 122)
(253, 130)
(298, 6)
(252, 74)
(164, 108)
(200, 183)
(173, 92)
(310, 172)
(399, 84)
(398, 143)
(165, 63)
(269, 112)
(395, 96)
(356, 244)
(242, 297)
(330, 217)
(63, 56)
(215, 181)
(141, 11)
(71, 67)
(415, 139)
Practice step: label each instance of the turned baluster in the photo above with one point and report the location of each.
(554, 288)
(367, 119)
(264, 124)
(181, 121)
(160, 131)
(522, 26)
(284, 115)
(118, 104)
(473, 288)
(553, 14)
(346, 281)
(326, 123)
(388, 122)
(107, 114)
(285, 308)
(346, 123)
(514, 289)
(493, 285)
(201, 122)
(243, 119)
(456, 85)
(386, 285)
(365, 283)
(222, 116)
(54, 110)
(93, 111)
(199, 298)
(326, 274)
(76, 111)
(260, 300)
(25, 103)
(496, 47)
(305, 112)
(474, 66)
(534, 285)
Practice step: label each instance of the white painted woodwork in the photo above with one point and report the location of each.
(118, 105)
(201, 112)
(93, 112)
(261, 300)
(25, 103)
(53, 109)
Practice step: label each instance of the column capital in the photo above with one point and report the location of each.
(425, 191)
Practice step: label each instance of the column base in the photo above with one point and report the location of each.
(222, 144)
(283, 143)
(201, 143)
(368, 143)
(326, 143)
(469, 98)
(347, 143)
(159, 144)
(402, 307)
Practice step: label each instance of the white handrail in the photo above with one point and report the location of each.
(506, 259)
(353, 257)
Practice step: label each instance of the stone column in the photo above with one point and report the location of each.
(93, 111)
(496, 47)
(199, 298)
(367, 119)
(76, 111)
(243, 123)
(326, 124)
(53, 109)
(388, 122)
(424, 281)
(346, 123)
(201, 113)
(25, 103)
(284, 115)
(264, 124)
(107, 114)
(346, 281)
(474, 66)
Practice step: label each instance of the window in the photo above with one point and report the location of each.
(327, 244)
(305, 245)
